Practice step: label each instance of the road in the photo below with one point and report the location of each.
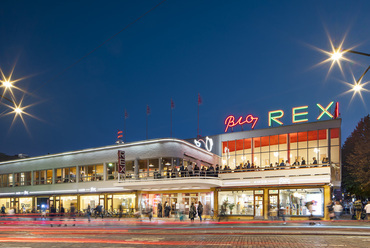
(38, 233)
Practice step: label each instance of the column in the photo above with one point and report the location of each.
(136, 169)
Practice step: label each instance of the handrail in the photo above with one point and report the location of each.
(175, 174)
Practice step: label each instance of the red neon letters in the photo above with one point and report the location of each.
(230, 121)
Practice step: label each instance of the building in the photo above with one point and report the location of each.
(254, 187)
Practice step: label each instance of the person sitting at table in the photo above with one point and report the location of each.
(287, 164)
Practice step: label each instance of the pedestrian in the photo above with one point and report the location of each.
(337, 210)
(150, 213)
(72, 213)
(120, 211)
(200, 210)
(192, 212)
(367, 209)
(330, 210)
(159, 210)
(52, 213)
(167, 210)
(358, 209)
(3, 210)
(98, 211)
(282, 214)
(88, 212)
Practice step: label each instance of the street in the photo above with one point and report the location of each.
(64, 232)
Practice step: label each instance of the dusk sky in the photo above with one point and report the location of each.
(242, 57)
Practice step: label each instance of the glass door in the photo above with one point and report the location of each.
(258, 205)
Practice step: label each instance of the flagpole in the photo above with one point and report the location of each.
(171, 118)
(146, 125)
(198, 122)
(124, 128)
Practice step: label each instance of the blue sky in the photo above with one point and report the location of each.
(243, 57)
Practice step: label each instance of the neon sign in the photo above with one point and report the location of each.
(208, 144)
(230, 121)
(299, 114)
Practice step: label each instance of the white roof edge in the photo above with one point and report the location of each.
(108, 148)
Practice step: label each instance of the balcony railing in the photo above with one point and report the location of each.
(177, 174)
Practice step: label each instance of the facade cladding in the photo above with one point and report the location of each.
(248, 174)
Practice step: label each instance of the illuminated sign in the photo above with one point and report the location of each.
(299, 115)
(208, 144)
(230, 121)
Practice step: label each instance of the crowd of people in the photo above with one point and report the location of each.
(192, 169)
(358, 210)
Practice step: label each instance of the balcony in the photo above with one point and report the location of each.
(269, 176)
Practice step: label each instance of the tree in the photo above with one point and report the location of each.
(356, 160)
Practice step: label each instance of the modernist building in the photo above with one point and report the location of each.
(152, 174)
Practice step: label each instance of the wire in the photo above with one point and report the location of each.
(106, 41)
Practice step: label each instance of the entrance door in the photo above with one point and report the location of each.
(258, 206)
(273, 206)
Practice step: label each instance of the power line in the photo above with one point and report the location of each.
(106, 41)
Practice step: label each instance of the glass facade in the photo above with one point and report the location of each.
(177, 201)
(301, 148)
(295, 202)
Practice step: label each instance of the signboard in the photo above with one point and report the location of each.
(121, 162)
(299, 115)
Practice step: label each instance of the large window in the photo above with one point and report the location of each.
(42, 177)
(22, 179)
(65, 175)
(301, 201)
(311, 147)
(237, 202)
(91, 173)
(6, 180)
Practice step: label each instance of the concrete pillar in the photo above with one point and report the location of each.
(327, 199)
(265, 203)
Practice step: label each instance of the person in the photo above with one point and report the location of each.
(200, 210)
(98, 211)
(337, 210)
(358, 209)
(190, 169)
(181, 210)
(192, 212)
(330, 210)
(248, 164)
(314, 161)
(287, 164)
(72, 214)
(3, 209)
(150, 213)
(217, 170)
(366, 208)
(167, 210)
(159, 209)
(282, 164)
(62, 210)
(303, 162)
(88, 212)
(182, 171)
(309, 206)
(282, 214)
(296, 163)
(53, 212)
(210, 171)
(196, 170)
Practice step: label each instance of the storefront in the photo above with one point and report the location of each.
(178, 201)
(265, 202)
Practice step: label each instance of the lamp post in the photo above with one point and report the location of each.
(338, 55)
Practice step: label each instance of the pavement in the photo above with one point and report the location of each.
(109, 232)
